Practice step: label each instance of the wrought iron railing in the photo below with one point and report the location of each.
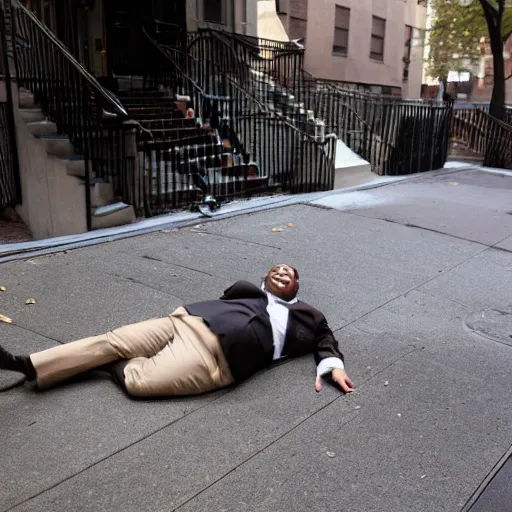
(395, 136)
(266, 152)
(506, 111)
(10, 185)
(265, 70)
(88, 114)
(484, 135)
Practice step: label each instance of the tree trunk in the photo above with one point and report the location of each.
(497, 107)
(498, 91)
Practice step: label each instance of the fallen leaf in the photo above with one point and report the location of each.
(30, 301)
(290, 225)
(277, 230)
(453, 183)
(2, 288)
(423, 476)
(386, 383)
(331, 454)
(399, 415)
(357, 407)
(5, 319)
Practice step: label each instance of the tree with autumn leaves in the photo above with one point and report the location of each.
(460, 34)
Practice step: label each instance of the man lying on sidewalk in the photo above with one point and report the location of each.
(200, 347)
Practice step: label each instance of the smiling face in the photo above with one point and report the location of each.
(283, 282)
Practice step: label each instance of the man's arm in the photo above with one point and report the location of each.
(329, 359)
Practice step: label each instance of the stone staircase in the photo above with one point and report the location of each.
(304, 103)
(106, 209)
(460, 153)
(185, 155)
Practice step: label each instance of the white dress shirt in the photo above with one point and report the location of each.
(279, 313)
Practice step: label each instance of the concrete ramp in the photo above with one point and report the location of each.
(350, 168)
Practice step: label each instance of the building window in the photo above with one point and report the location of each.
(407, 52)
(341, 28)
(213, 11)
(377, 41)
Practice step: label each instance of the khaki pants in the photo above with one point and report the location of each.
(175, 355)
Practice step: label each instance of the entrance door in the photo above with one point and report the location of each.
(124, 21)
(126, 43)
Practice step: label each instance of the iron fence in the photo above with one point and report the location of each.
(252, 149)
(10, 185)
(483, 135)
(506, 111)
(81, 108)
(395, 136)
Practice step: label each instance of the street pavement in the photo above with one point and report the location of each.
(397, 270)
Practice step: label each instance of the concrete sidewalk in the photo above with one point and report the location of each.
(396, 270)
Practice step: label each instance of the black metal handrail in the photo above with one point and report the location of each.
(265, 42)
(286, 158)
(91, 117)
(104, 98)
(506, 111)
(170, 33)
(10, 187)
(10, 183)
(192, 74)
(484, 135)
(395, 136)
(282, 65)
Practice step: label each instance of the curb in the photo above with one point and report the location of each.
(487, 480)
(25, 250)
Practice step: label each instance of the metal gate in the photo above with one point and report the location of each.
(10, 186)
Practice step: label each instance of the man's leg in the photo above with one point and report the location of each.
(192, 363)
(20, 364)
(143, 339)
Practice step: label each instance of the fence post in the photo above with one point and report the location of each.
(132, 167)
(7, 62)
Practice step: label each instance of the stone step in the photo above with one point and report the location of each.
(42, 128)
(350, 168)
(152, 110)
(140, 93)
(147, 100)
(26, 99)
(117, 214)
(460, 153)
(177, 123)
(354, 175)
(32, 115)
(102, 193)
(58, 145)
(76, 167)
(158, 116)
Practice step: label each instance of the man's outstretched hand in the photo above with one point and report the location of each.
(341, 378)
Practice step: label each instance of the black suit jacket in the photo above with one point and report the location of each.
(241, 321)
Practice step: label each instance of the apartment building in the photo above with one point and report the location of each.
(377, 43)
